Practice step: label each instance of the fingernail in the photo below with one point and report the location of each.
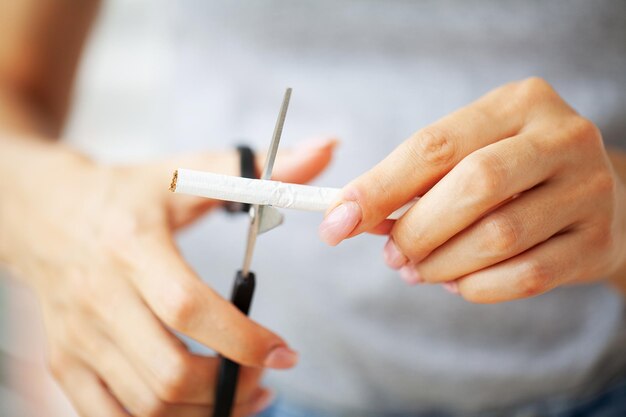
(340, 222)
(264, 401)
(451, 287)
(316, 143)
(393, 257)
(281, 358)
(410, 275)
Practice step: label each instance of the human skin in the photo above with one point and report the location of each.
(95, 242)
(518, 196)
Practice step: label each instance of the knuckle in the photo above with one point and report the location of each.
(534, 88)
(583, 132)
(371, 191)
(484, 175)
(434, 146)
(602, 238)
(535, 280)
(605, 184)
(178, 308)
(57, 363)
(411, 241)
(150, 406)
(171, 384)
(501, 234)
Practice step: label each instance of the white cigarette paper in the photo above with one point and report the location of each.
(262, 192)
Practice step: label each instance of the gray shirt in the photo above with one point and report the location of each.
(201, 74)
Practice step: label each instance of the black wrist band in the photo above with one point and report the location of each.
(246, 161)
(246, 170)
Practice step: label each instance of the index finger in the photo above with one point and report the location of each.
(186, 304)
(422, 160)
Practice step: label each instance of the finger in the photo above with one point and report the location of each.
(474, 187)
(124, 382)
(262, 399)
(149, 369)
(302, 163)
(164, 363)
(183, 302)
(383, 228)
(412, 168)
(561, 259)
(297, 165)
(524, 222)
(84, 389)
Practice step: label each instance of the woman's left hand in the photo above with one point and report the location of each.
(518, 197)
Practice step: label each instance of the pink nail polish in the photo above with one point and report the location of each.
(451, 287)
(316, 143)
(410, 275)
(281, 358)
(340, 222)
(393, 257)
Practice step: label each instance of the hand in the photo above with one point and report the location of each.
(96, 244)
(517, 197)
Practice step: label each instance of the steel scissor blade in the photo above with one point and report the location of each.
(258, 214)
(269, 218)
(278, 131)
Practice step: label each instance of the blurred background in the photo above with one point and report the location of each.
(126, 108)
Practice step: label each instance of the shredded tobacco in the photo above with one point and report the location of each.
(174, 179)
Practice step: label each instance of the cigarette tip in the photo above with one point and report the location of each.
(174, 180)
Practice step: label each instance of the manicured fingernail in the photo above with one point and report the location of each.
(451, 287)
(265, 400)
(340, 222)
(316, 143)
(281, 358)
(409, 274)
(393, 257)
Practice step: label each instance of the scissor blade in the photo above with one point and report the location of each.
(278, 131)
(270, 218)
(258, 212)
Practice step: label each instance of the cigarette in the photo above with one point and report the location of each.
(261, 192)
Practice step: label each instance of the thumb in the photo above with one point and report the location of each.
(299, 164)
(302, 163)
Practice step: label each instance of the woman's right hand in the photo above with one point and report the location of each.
(96, 244)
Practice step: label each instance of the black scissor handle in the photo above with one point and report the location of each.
(228, 373)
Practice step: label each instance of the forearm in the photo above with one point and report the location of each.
(618, 159)
(40, 47)
(19, 117)
(31, 164)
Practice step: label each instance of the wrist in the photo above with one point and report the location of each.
(34, 175)
(618, 277)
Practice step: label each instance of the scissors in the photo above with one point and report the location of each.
(262, 219)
